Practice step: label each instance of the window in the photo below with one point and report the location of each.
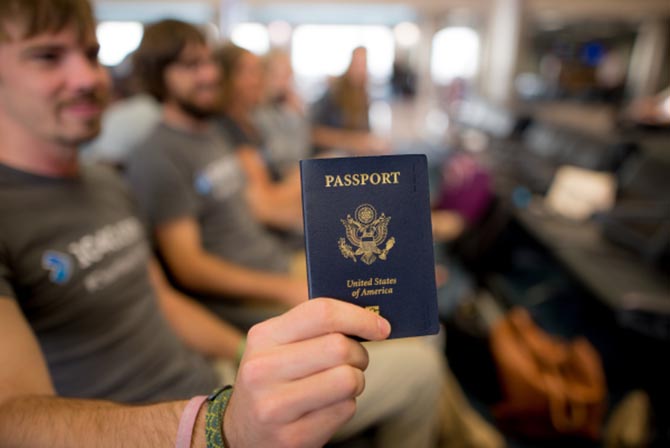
(319, 51)
(407, 34)
(251, 36)
(455, 54)
(117, 40)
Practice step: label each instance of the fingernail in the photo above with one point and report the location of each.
(384, 326)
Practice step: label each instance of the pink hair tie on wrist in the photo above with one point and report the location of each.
(187, 421)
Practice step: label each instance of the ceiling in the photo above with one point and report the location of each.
(384, 10)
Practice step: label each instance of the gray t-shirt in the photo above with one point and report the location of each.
(177, 174)
(74, 257)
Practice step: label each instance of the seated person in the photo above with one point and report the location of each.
(281, 117)
(340, 118)
(281, 122)
(80, 318)
(273, 192)
(191, 189)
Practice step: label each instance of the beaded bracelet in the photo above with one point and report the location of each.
(217, 403)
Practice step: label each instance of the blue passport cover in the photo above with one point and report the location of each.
(368, 237)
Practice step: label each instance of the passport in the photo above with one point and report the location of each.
(368, 237)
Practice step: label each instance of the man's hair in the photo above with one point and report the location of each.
(34, 17)
(161, 46)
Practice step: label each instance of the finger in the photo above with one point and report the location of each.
(317, 428)
(304, 358)
(316, 318)
(290, 401)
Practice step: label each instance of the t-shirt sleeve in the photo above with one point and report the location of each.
(6, 289)
(161, 191)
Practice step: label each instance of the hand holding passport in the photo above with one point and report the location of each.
(368, 237)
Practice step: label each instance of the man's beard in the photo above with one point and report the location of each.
(195, 111)
(80, 140)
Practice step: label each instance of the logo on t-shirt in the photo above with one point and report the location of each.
(220, 179)
(59, 266)
(203, 185)
(122, 241)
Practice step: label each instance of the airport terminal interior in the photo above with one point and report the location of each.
(546, 126)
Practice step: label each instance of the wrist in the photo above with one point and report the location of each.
(217, 403)
(228, 430)
(188, 421)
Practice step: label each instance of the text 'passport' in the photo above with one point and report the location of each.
(368, 237)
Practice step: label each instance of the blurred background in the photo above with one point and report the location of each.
(552, 54)
(547, 127)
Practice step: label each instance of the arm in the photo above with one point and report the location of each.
(31, 414)
(198, 270)
(277, 204)
(199, 328)
(278, 400)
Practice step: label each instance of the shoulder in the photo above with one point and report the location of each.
(156, 145)
(100, 172)
(159, 135)
(105, 180)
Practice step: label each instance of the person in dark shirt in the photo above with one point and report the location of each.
(76, 287)
(274, 196)
(340, 118)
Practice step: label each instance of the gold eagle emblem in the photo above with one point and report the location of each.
(366, 232)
